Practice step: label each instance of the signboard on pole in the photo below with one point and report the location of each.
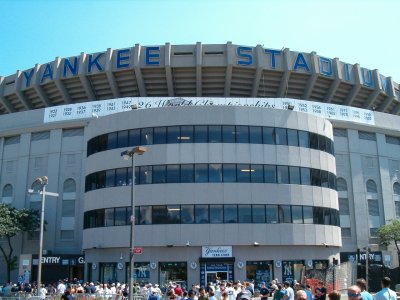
(137, 250)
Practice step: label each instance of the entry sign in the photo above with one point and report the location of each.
(137, 250)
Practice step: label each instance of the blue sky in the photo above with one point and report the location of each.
(364, 32)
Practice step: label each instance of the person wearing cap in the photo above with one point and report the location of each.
(386, 293)
(264, 291)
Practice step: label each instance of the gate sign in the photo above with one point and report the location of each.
(216, 251)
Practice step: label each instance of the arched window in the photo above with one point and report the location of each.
(396, 188)
(341, 185)
(371, 186)
(69, 186)
(7, 195)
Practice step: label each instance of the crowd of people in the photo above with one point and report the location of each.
(73, 289)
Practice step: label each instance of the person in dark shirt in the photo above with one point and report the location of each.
(67, 294)
(264, 291)
(320, 291)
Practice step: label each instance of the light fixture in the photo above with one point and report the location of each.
(256, 244)
(173, 209)
(170, 246)
(121, 256)
(247, 170)
(290, 107)
(94, 115)
(183, 138)
(127, 154)
(187, 243)
(134, 106)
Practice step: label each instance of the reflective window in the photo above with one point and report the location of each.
(109, 217)
(112, 141)
(285, 215)
(242, 134)
(187, 173)
(159, 174)
(297, 214)
(110, 178)
(228, 134)
(200, 134)
(120, 216)
(270, 173)
(371, 186)
(305, 176)
(293, 139)
(173, 174)
(304, 139)
(120, 176)
(209, 134)
(160, 135)
(315, 177)
(257, 173)
(201, 172)
(187, 135)
(314, 141)
(173, 135)
(201, 214)
(341, 185)
(214, 134)
(258, 213)
(146, 136)
(272, 214)
(123, 138)
(244, 213)
(229, 172)
(215, 173)
(294, 173)
(283, 174)
(396, 188)
(145, 174)
(216, 213)
(280, 136)
(173, 214)
(187, 214)
(134, 137)
(255, 134)
(230, 214)
(243, 173)
(268, 135)
(308, 215)
(159, 214)
(324, 179)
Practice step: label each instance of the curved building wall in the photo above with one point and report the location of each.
(154, 238)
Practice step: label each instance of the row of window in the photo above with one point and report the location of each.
(201, 173)
(209, 134)
(212, 214)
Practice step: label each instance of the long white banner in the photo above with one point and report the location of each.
(107, 107)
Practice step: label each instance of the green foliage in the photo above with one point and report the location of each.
(13, 222)
(390, 233)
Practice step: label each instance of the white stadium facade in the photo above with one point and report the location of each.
(259, 162)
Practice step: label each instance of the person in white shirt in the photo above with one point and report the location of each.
(230, 291)
(386, 293)
(289, 291)
(61, 288)
(42, 292)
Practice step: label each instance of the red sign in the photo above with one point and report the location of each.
(137, 250)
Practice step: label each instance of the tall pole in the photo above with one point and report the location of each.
(39, 275)
(366, 268)
(139, 150)
(131, 245)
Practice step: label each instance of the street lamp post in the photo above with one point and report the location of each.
(42, 181)
(129, 154)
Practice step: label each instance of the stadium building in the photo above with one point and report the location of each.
(260, 163)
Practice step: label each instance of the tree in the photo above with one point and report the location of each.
(13, 222)
(390, 233)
